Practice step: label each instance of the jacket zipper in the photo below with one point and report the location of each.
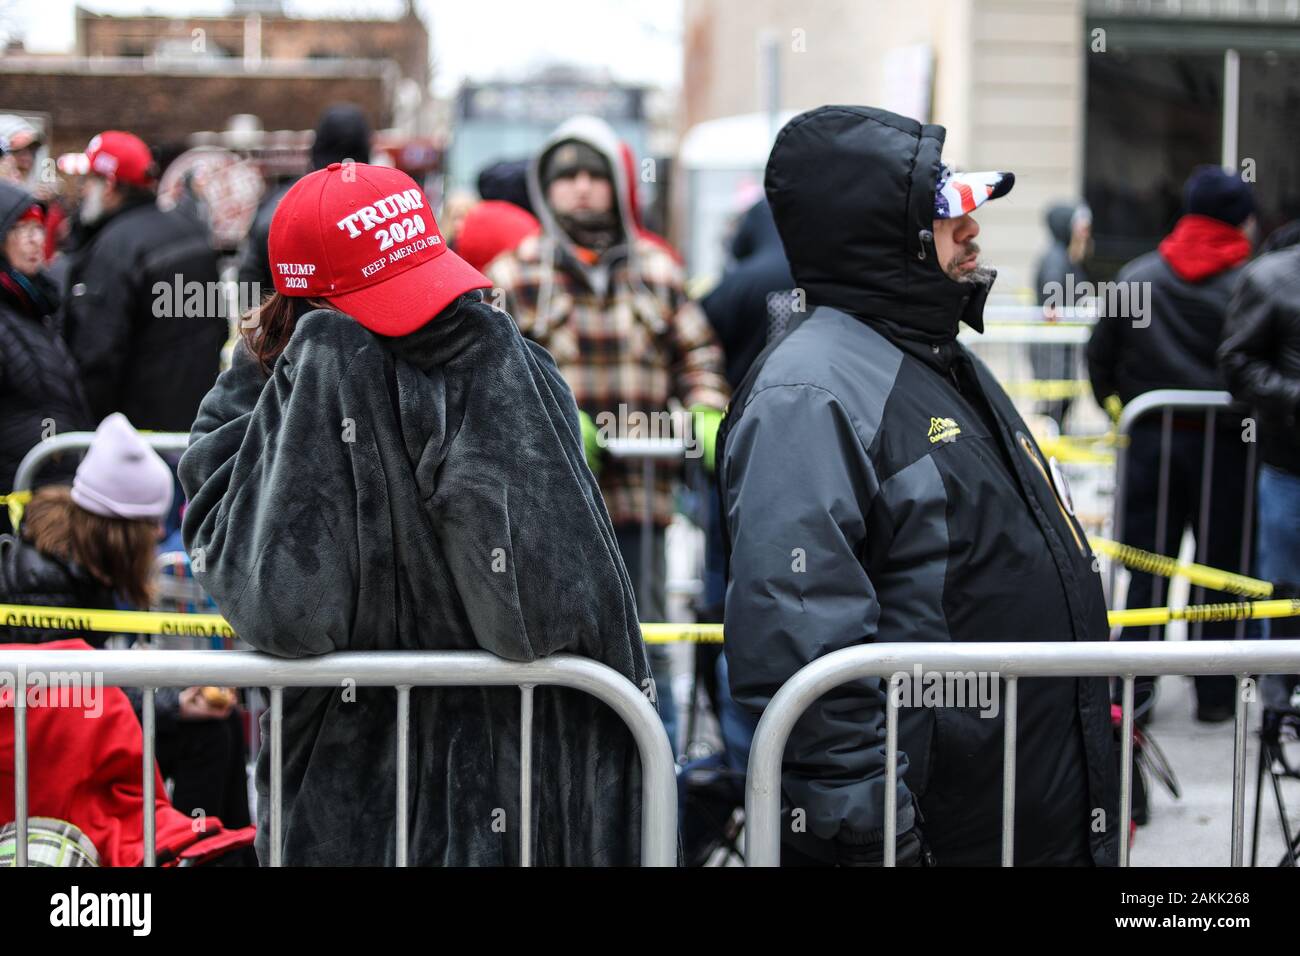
(1065, 515)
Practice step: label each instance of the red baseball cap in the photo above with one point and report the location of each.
(364, 238)
(121, 157)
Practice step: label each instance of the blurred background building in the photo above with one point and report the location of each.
(254, 80)
(505, 120)
(1111, 100)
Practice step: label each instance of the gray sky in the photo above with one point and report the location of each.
(638, 40)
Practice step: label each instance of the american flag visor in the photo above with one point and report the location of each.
(961, 193)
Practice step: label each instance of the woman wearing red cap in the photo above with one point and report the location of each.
(389, 465)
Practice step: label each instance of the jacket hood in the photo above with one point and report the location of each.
(756, 233)
(13, 203)
(1059, 219)
(1200, 247)
(601, 137)
(507, 181)
(852, 191)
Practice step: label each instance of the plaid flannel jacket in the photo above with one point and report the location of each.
(629, 351)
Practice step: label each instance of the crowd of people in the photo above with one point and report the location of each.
(410, 450)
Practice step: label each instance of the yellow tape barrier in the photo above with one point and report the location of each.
(115, 622)
(213, 625)
(15, 501)
(1199, 574)
(1048, 389)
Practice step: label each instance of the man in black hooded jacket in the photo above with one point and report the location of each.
(879, 486)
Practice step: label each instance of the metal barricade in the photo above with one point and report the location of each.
(649, 451)
(1166, 402)
(1040, 362)
(401, 670)
(1010, 661)
(75, 441)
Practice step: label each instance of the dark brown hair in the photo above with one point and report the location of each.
(117, 551)
(267, 329)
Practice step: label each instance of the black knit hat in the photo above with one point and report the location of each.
(342, 133)
(570, 157)
(1213, 192)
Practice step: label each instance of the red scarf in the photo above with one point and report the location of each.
(1201, 246)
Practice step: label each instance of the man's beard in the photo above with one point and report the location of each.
(91, 209)
(597, 231)
(979, 275)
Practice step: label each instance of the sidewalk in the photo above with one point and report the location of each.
(1197, 830)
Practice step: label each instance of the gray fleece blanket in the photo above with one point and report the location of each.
(421, 493)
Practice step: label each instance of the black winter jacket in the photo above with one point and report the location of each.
(140, 352)
(254, 257)
(1260, 355)
(1177, 349)
(32, 577)
(879, 486)
(737, 306)
(38, 379)
(1056, 266)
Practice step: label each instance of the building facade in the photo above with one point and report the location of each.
(1112, 101)
(170, 79)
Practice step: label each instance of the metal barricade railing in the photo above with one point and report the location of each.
(649, 451)
(28, 468)
(1010, 661)
(401, 670)
(1167, 402)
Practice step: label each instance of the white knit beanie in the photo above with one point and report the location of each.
(121, 476)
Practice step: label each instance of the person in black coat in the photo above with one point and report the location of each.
(1169, 338)
(870, 443)
(39, 390)
(1260, 357)
(142, 311)
(342, 133)
(756, 289)
(738, 306)
(1060, 272)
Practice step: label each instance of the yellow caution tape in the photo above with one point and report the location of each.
(15, 500)
(214, 625)
(1244, 611)
(115, 622)
(1048, 389)
(674, 633)
(1199, 574)
(1071, 453)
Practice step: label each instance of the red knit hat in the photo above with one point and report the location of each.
(364, 238)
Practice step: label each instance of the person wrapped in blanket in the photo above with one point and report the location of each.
(388, 465)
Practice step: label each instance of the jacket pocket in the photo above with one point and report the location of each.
(918, 736)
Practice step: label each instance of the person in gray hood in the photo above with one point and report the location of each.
(1061, 275)
(879, 486)
(389, 465)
